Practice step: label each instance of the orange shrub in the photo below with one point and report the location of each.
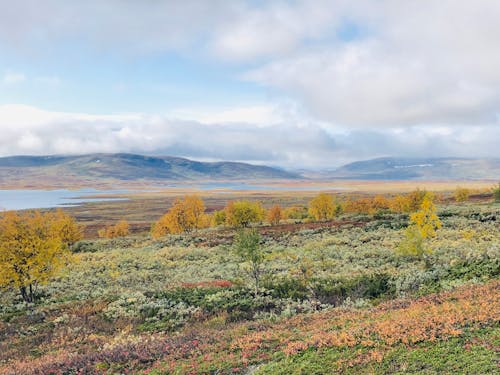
(275, 214)
(185, 215)
(120, 229)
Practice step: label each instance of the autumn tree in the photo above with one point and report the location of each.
(275, 214)
(423, 225)
(415, 199)
(120, 229)
(247, 246)
(399, 204)
(296, 212)
(243, 213)
(185, 215)
(322, 207)
(34, 247)
(461, 194)
(218, 218)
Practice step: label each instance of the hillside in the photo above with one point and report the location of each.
(418, 169)
(129, 167)
(335, 297)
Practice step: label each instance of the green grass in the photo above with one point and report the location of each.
(472, 353)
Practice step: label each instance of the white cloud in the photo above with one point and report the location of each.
(258, 114)
(363, 78)
(292, 144)
(429, 62)
(275, 29)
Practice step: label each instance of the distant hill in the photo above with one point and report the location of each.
(390, 168)
(130, 167)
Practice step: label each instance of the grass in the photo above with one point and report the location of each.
(336, 297)
(475, 352)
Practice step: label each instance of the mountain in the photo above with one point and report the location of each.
(390, 168)
(129, 167)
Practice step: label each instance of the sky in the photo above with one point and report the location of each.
(297, 84)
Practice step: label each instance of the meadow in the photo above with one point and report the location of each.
(335, 297)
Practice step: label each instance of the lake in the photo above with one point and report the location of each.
(26, 199)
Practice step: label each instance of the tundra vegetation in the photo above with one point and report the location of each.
(354, 284)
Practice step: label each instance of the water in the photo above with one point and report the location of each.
(27, 199)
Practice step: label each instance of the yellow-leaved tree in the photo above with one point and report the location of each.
(185, 215)
(34, 247)
(423, 225)
(243, 213)
(461, 194)
(322, 207)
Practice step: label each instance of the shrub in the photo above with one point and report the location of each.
(242, 213)
(423, 225)
(34, 246)
(248, 248)
(296, 212)
(461, 194)
(218, 218)
(185, 215)
(275, 214)
(120, 229)
(322, 207)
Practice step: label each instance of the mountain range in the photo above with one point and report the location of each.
(130, 167)
(390, 168)
(94, 168)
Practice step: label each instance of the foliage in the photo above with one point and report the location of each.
(218, 218)
(33, 248)
(275, 214)
(461, 194)
(426, 219)
(185, 215)
(416, 198)
(322, 207)
(120, 229)
(296, 212)
(470, 353)
(413, 243)
(368, 206)
(243, 213)
(423, 225)
(353, 340)
(400, 204)
(124, 296)
(247, 246)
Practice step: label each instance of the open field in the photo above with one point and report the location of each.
(335, 297)
(147, 205)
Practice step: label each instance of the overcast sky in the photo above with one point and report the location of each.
(297, 84)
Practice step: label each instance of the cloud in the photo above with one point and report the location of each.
(294, 144)
(426, 63)
(275, 29)
(128, 26)
(346, 79)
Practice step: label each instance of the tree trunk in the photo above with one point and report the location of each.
(28, 294)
